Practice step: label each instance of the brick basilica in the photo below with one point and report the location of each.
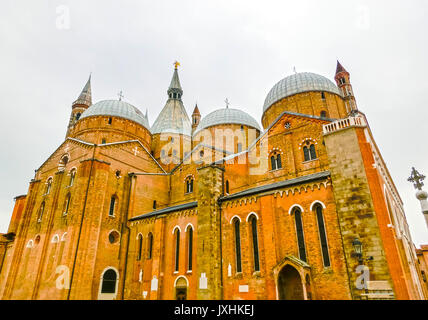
(214, 207)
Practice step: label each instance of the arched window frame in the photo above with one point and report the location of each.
(236, 222)
(176, 232)
(318, 209)
(41, 212)
(107, 287)
(48, 185)
(275, 160)
(139, 246)
(309, 150)
(189, 236)
(67, 204)
(189, 184)
(149, 245)
(252, 220)
(300, 235)
(72, 177)
(63, 162)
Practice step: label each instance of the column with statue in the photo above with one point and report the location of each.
(416, 178)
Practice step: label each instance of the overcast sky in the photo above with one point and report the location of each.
(227, 49)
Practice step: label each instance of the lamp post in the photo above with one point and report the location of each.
(416, 178)
(358, 251)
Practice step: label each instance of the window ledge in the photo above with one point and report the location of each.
(175, 272)
(257, 274)
(189, 271)
(310, 160)
(275, 170)
(113, 216)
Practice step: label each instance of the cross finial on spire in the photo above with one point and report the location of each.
(120, 95)
(227, 103)
(176, 64)
(416, 178)
(294, 69)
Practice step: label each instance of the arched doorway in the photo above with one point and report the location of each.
(181, 289)
(290, 284)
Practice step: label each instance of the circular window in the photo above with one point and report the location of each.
(113, 237)
(287, 125)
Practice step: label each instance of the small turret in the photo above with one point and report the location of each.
(83, 102)
(196, 118)
(342, 78)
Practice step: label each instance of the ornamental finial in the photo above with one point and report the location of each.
(176, 64)
(416, 178)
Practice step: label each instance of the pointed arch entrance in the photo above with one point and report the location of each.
(180, 287)
(293, 279)
(290, 284)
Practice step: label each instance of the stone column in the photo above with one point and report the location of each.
(210, 188)
(422, 197)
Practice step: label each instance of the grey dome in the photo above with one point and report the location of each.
(298, 83)
(227, 116)
(116, 108)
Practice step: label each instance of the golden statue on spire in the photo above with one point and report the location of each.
(176, 64)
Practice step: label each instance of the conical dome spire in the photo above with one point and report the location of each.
(85, 97)
(175, 91)
(173, 118)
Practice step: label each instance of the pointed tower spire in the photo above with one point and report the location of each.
(196, 117)
(340, 68)
(83, 102)
(343, 81)
(85, 97)
(175, 91)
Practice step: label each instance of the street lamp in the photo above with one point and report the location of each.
(358, 249)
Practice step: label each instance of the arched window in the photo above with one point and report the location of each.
(323, 114)
(177, 249)
(66, 204)
(149, 245)
(227, 186)
(48, 186)
(189, 185)
(109, 281)
(63, 162)
(72, 176)
(309, 151)
(110, 120)
(237, 231)
(323, 235)
(299, 232)
(154, 204)
(275, 161)
(139, 246)
(189, 233)
(78, 116)
(41, 210)
(112, 206)
(255, 242)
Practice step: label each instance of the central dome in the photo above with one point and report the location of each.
(227, 116)
(298, 83)
(117, 108)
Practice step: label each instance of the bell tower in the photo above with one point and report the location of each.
(83, 102)
(196, 117)
(343, 81)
